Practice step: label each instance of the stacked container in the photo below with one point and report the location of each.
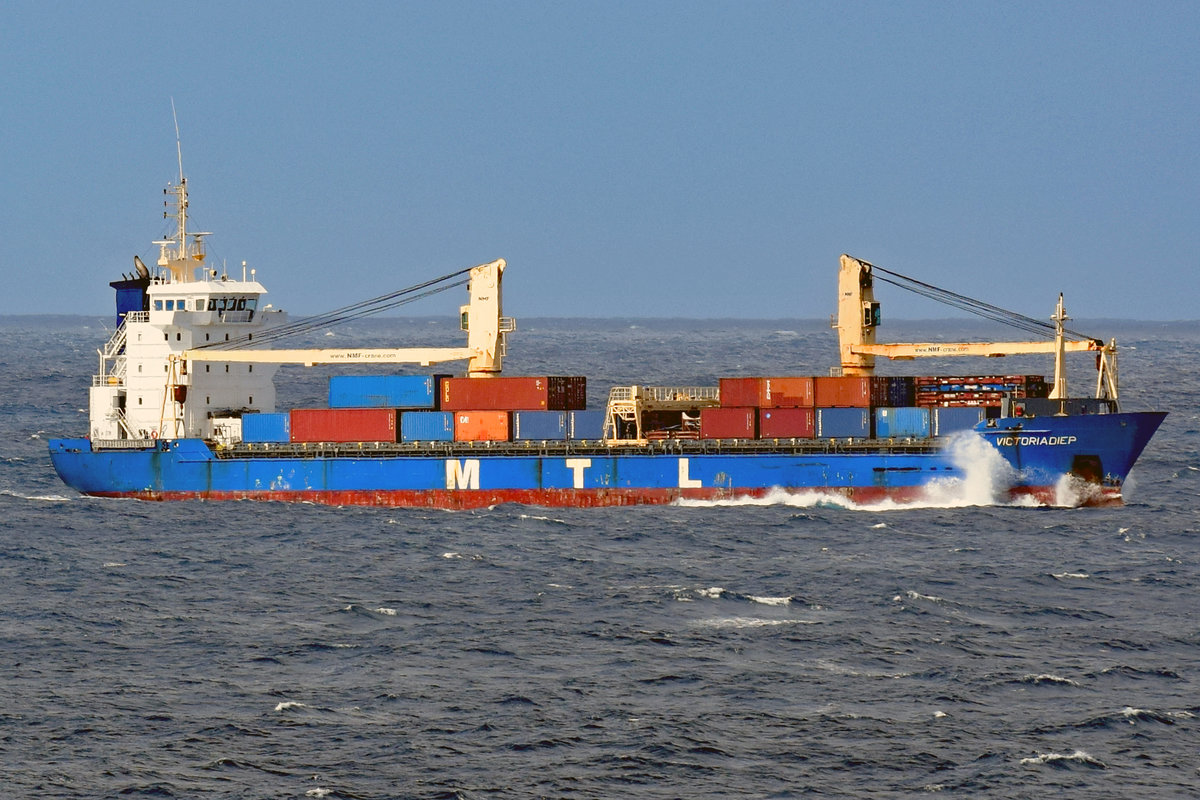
(585, 425)
(344, 425)
(426, 426)
(851, 391)
(977, 390)
(786, 423)
(902, 423)
(383, 391)
(767, 392)
(843, 423)
(720, 422)
(945, 420)
(482, 426)
(553, 393)
(531, 426)
(266, 428)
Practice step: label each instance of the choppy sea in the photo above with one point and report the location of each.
(766, 650)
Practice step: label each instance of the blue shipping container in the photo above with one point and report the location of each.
(585, 424)
(264, 428)
(426, 426)
(382, 391)
(532, 426)
(948, 420)
(844, 423)
(908, 423)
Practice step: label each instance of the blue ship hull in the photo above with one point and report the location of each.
(1021, 456)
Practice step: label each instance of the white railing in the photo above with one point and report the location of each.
(681, 393)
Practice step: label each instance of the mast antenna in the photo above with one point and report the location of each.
(178, 144)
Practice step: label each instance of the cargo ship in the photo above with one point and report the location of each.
(183, 406)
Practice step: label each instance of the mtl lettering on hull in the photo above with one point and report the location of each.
(462, 474)
(577, 466)
(685, 480)
(465, 474)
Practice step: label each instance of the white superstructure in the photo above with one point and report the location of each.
(184, 361)
(144, 389)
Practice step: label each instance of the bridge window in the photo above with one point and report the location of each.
(158, 305)
(170, 305)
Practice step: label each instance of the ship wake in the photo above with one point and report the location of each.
(984, 479)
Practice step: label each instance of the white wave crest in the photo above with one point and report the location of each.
(770, 601)
(1048, 678)
(1079, 756)
(387, 612)
(288, 705)
(46, 498)
(1066, 575)
(750, 622)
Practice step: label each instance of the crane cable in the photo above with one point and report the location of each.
(978, 307)
(345, 314)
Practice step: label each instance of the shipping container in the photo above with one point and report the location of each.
(482, 426)
(585, 425)
(740, 392)
(266, 428)
(786, 423)
(1071, 406)
(382, 391)
(850, 391)
(787, 392)
(901, 391)
(945, 420)
(728, 423)
(532, 426)
(783, 392)
(902, 423)
(344, 425)
(553, 393)
(426, 426)
(843, 423)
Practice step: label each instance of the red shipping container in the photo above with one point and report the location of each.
(786, 393)
(344, 425)
(767, 392)
(850, 391)
(482, 426)
(786, 423)
(553, 393)
(740, 392)
(728, 423)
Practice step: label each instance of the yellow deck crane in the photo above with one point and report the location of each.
(858, 317)
(481, 318)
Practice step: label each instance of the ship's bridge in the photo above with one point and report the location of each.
(215, 302)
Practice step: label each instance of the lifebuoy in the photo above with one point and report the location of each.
(153, 434)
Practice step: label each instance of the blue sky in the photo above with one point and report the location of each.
(691, 159)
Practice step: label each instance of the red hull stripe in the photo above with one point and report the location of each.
(575, 498)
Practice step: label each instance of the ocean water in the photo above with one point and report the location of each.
(767, 649)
